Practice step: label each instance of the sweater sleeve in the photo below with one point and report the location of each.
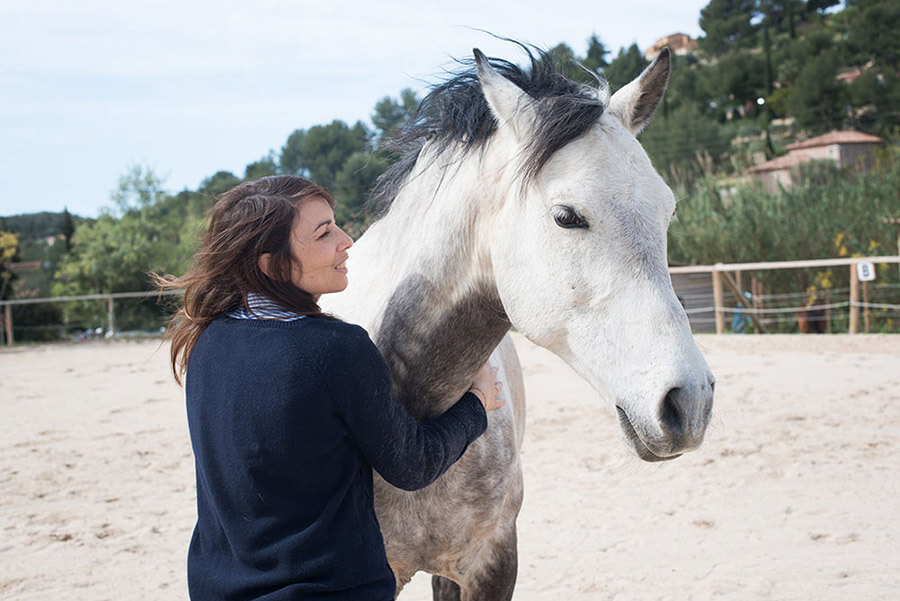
(407, 453)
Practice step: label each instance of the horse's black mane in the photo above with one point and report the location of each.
(456, 112)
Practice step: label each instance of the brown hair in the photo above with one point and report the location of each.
(248, 220)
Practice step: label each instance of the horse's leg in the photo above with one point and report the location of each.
(444, 589)
(493, 575)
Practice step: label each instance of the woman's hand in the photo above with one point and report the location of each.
(486, 387)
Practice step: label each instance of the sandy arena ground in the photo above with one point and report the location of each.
(794, 496)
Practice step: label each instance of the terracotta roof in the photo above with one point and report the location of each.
(680, 43)
(849, 76)
(783, 162)
(836, 137)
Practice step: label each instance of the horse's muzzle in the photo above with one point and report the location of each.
(681, 422)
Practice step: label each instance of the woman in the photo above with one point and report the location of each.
(289, 409)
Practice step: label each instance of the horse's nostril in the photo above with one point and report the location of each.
(671, 413)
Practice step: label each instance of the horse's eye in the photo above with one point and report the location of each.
(567, 217)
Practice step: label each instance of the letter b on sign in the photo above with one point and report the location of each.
(865, 271)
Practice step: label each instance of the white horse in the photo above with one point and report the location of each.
(526, 202)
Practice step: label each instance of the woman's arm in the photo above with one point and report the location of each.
(408, 454)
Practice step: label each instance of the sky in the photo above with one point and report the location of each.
(92, 88)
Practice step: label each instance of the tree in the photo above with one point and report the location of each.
(686, 146)
(877, 94)
(728, 25)
(872, 31)
(737, 79)
(216, 184)
(687, 85)
(325, 149)
(116, 252)
(817, 98)
(564, 58)
(31, 226)
(353, 185)
(261, 168)
(320, 152)
(820, 5)
(790, 60)
(9, 246)
(67, 225)
(774, 18)
(627, 65)
(139, 187)
(390, 114)
(781, 15)
(586, 69)
(290, 161)
(595, 59)
(113, 253)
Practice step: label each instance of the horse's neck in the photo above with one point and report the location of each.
(421, 284)
(433, 346)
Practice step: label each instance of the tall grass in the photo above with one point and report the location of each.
(829, 213)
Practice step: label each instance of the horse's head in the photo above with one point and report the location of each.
(578, 249)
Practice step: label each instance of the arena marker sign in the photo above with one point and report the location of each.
(865, 271)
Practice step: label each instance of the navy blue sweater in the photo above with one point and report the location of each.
(286, 420)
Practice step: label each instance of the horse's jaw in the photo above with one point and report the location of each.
(660, 386)
(663, 412)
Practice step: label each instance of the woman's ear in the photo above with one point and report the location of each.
(264, 262)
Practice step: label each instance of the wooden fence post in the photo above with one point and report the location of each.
(111, 316)
(7, 323)
(762, 299)
(717, 299)
(865, 287)
(854, 300)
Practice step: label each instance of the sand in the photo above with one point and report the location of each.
(794, 495)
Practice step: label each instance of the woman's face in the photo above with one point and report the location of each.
(320, 248)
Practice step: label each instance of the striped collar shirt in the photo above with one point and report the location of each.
(262, 307)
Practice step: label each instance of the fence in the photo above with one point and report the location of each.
(748, 302)
(110, 307)
(723, 276)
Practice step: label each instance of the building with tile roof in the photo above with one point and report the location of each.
(844, 148)
(679, 43)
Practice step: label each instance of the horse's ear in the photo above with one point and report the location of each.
(635, 103)
(509, 103)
